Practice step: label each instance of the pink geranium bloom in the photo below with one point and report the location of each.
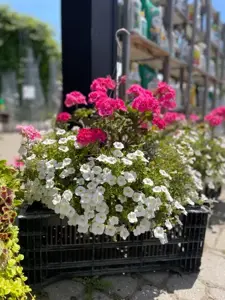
(103, 84)
(96, 96)
(213, 119)
(107, 106)
(75, 98)
(63, 117)
(17, 163)
(123, 79)
(219, 111)
(159, 122)
(194, 118)
(166, 95)
(29, 132)
(88, 136)
(146, 102)
(135, 90)
(171, 117)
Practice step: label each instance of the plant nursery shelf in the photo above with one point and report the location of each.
(52, 248)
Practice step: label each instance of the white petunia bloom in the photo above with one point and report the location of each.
(130, 176)
(77, 146)
(91, 186)
(102, 158)
(121, 181)
(119, 208)
(67, 161)
(118, 145)
(138, 197)
(127, 162)
(100, 218)
(102, 207)
(85, 168)
(71, 171)
(139, 153)
(60, 131)
(132, 217)
(122, 199)
(198, 153)
(168, 224)
(209, 172)
(114, 221)
(86, 198)
(62, 141)
(157, 189)
(83, 229)
(131, 156)
(48, 142)
(189, 201)
(80, 190)
(67, 195)
(110, 230)
(56, 199)
(101, 189)
(165, 174)
(178, 205)
(97, 170)
(117, 153)
(63, 149)
(88, 176)
(137, 231)
(148, 181)
(159, 233)
(111, 180)
(111, 160)
(124, 233)
(97, 228)
(81, 220)
(128, 192)
(80, 181)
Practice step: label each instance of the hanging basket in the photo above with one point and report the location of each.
(52, 249)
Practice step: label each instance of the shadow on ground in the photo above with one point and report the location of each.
(218, 214)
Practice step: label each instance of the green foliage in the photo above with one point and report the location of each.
(19, 31)
(12, 280)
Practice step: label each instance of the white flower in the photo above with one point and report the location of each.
(97, 170)
(165, 174)
(67, 195)
(118, 153)
(211, 185)
(56, 199)
(159, 233)
(64, 149)
(102, 207)
(48, 142)
(85, 168)
(22, 150)
(91, 186)
(102, 158)
(208, 156)
(110, 230)
(198, 153)
(209, 172)
(148, 181)
(77, 146)
(50, 184)
(67, 161)
(100, 218)
(139, 153)
(111, 180)
(97, 228)
(106, 171)
(124, 233)
(140, 211)
(81, 220)
(101, 189)
(88, 176)
(132, 217)
(130, 176)
(86, 198)
(114, 221)
(80, 190)
(62, 141)
(157, 189)
(118, 145)
(168, 224)
(33, 156)
(138, 197)
(121, 181)
(137, 231)
(122, 199)
(119, 208)
(127, 162)
(71, 138)
(131, 156)
(83, 229)
(178, 205)
(111, 160)
(164, 240)
(80, 181)
(189, 201)
(60, 131)
(128, 192)
(146, 224)
(71, 171)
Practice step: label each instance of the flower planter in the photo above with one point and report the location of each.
(53, 249)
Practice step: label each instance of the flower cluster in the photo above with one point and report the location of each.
(29, 132)
(216, 116)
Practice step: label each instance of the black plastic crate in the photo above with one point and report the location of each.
(53, 249)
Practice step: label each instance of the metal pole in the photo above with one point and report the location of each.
(208, 53)
(126, 44)
(190, 64)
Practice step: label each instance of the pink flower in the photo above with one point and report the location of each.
(103, 84)
(194, 118)
(145, 102)
(166, 95)
(63, 117)
(88, 136)
(213, 119)
(171, 117)
(95, 96)
(159, 122)
(17, 163)
(123, 79)
(135, 90)
(219, 111)
(29, 132)
(75, 98)
(107, 106)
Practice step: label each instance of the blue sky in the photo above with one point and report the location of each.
(49, 10)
